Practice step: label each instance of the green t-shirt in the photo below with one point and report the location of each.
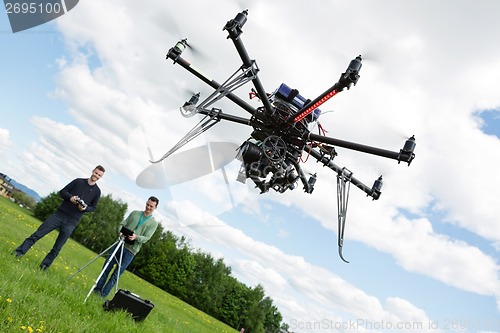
(143, 232)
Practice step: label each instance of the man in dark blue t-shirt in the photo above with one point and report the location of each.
(80, 196)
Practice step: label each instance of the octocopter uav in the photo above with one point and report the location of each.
(281, 133)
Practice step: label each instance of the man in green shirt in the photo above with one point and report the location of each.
(143, 225)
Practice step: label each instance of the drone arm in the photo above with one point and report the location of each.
(233, 27)
(312, 105)
(175, 56)
(374, 191)
(349, 77)
(228, 117)
(406, 154)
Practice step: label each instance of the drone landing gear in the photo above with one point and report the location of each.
(343, 186)
(203, 125)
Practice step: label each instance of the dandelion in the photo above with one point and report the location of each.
(8, 300)
(41, 327)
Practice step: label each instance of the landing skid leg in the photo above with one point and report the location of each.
(343, 186)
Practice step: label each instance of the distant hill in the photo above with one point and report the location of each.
(26, 190)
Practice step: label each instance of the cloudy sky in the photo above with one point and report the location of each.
(93, 87)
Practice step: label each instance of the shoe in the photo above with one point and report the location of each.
(44, 267)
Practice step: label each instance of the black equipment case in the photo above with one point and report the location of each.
(132, 303)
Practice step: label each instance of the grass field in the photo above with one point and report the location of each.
(32, 300)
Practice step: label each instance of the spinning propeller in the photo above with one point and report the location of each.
(187, 165)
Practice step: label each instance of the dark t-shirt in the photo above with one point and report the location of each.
(88, 193)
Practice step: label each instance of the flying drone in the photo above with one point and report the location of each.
(281, 134)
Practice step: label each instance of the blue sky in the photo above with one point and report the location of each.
(93, 87)
(34, 51)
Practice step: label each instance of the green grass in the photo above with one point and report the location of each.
(32, 300)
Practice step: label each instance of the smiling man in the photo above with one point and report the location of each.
(80, 196)
(142, 225)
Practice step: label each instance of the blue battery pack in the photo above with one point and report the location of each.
(293, 97)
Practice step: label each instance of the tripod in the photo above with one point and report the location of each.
(119, 247)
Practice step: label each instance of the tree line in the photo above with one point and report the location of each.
(170, 263)
(24, 199)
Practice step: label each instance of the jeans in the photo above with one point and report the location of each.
(103, 287)
(57, 220)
